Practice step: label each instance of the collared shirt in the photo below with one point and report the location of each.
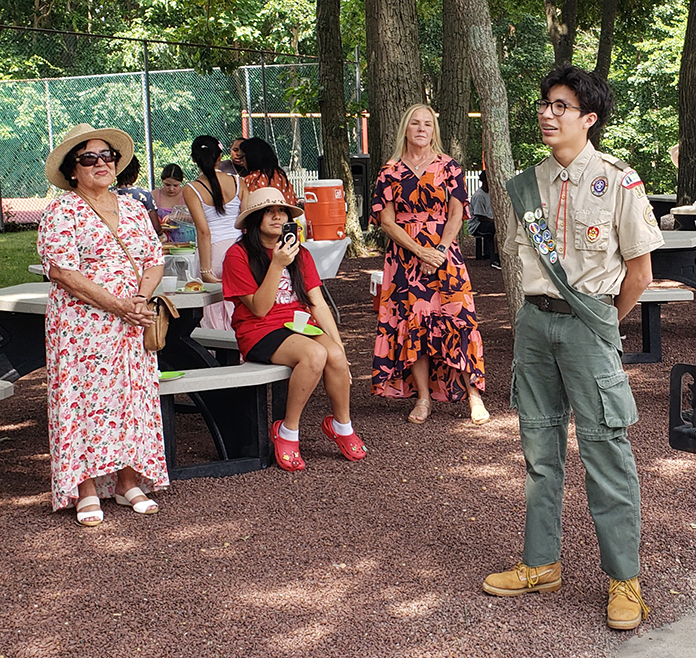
(599, 217)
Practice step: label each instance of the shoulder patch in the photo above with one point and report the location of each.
(619, 164)
(631, 180)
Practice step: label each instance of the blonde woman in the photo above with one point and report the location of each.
(428, 345)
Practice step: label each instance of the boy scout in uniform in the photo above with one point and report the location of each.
(584, 230)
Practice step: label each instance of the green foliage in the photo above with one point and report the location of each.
(17, 252)
(645, 76)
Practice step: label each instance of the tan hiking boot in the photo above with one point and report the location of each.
(626, 607)
(523, 579)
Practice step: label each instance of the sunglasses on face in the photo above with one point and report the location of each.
(90, 159)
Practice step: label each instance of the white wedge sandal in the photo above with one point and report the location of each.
(143, 507)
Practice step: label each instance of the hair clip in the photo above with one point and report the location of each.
(204, 146)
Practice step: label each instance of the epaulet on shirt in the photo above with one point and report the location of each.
(619, 164)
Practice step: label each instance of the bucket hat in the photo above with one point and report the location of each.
(82, 132)
(263, 198)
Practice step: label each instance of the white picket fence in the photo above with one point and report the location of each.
(299, 177)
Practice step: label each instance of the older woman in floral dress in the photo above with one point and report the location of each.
(428, 344)
(104, 421)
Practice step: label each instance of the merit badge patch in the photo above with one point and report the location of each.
(529, 216)
(553, 257)
(649, 216)
(538, 213)
(537, 238)
(599, 185)
(546, 235)
(542, 225)
(534, 228)
(631, 180)
(551, 244)
(543, 249)
(592, 233)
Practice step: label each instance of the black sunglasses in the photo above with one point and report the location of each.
(90, 159)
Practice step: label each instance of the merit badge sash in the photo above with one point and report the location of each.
(600, 317)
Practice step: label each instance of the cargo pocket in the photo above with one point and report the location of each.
(513, 388)
(618, 406)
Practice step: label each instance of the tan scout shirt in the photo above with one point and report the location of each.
(599, 216)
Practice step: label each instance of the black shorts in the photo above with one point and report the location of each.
(266, 347)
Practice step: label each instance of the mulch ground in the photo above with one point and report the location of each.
(380, 559)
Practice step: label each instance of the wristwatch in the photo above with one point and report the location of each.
(441, 248)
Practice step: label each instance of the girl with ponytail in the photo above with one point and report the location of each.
(214, 200)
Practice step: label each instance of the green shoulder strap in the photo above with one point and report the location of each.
(600, 317)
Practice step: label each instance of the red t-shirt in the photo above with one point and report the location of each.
(238, 281)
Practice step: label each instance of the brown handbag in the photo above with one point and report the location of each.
(155, 335)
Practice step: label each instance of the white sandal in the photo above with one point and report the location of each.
(143, 507)
(96, 515)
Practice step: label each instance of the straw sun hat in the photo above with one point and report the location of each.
(83, 132)
(262, 198)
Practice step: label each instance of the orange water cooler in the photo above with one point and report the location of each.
(325, 209)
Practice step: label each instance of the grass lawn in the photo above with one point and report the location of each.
(17, 252)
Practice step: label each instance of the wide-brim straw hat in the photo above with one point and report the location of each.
(263, 198)
(83, 132)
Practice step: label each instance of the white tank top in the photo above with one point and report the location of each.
(222, 226)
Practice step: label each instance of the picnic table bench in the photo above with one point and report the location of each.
(650, 302)
(6, 390)
(682, 430)
(250, 383)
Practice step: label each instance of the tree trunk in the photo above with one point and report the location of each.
(562, 28)
(485, 72)
(455, 85)
(395, 79)
(686, 188)
(606, 38)
(332, 104)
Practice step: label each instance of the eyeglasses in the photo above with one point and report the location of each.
(90, 159)
(558, 108)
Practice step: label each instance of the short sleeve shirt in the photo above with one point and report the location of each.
(238, 281)
(139, 194)
(598, 214)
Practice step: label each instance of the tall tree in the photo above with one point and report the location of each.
(395, 79)
(561, 22)
(686, 185)
(334, 129)
(606, 38)
(455, 87)
(485, 72)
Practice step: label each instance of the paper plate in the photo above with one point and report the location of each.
(189, 292)
(170, 375)
(309, 330)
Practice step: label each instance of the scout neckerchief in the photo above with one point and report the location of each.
(600, 317)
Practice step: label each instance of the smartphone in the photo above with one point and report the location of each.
(289, 234)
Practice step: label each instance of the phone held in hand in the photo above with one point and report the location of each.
(289, 234)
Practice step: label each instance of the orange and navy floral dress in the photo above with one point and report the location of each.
(421, 314)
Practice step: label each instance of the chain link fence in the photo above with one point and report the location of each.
(162, 94)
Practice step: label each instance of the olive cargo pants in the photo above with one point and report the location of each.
(559, 364)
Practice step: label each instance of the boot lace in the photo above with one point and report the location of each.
(627, 589)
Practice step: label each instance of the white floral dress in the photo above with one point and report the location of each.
(103, 395)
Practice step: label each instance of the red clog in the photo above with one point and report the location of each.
(350, 445)
(287, 453)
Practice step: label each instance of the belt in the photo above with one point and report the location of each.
(553, 305)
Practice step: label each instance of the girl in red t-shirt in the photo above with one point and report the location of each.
(268, 281)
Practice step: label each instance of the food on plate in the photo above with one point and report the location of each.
(193, 286)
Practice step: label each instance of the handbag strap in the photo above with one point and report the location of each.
(118, 239)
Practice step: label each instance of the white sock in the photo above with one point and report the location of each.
(342, 429)
(288, 435)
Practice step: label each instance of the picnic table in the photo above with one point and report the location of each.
(676, 258)
(233, 405)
